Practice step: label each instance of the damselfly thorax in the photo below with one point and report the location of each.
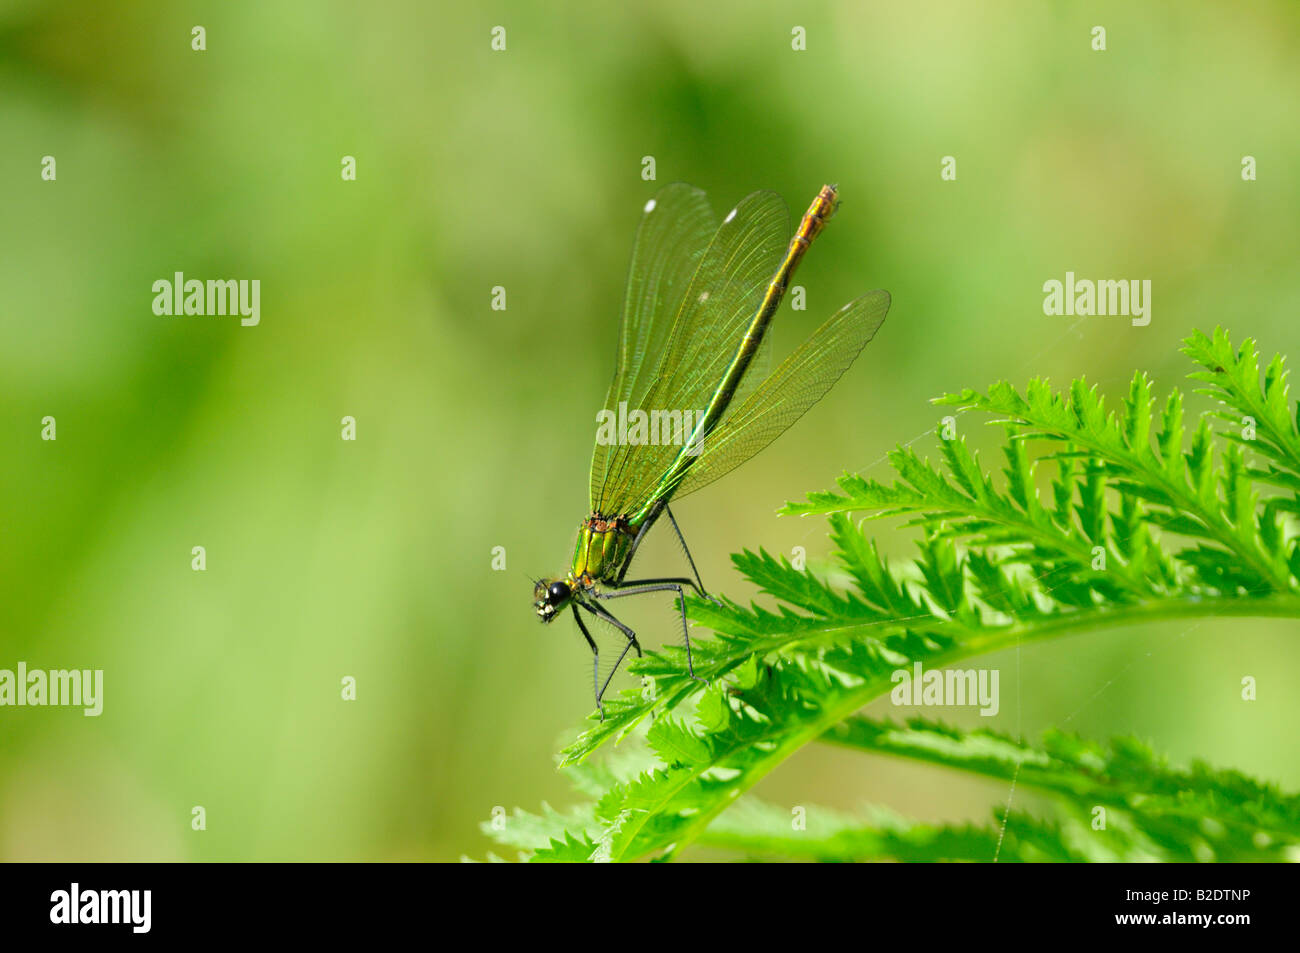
(604, 550)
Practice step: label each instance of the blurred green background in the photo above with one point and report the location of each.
(522, 169)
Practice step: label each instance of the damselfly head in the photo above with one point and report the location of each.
(550, 596)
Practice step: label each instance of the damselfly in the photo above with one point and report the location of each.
(700, 300)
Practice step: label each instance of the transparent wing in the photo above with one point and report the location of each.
(787, 394)
(675, 230)
(707, 318)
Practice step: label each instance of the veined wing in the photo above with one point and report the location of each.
(676, 228)
(707, 319)
(787, 394)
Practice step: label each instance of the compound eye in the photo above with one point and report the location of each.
(558, 592)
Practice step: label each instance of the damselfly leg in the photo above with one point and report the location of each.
(633, 587)
(632, 643)
(661, 585)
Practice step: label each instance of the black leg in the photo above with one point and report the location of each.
(595, 662)
(659, 585)
(596, 609)
(636, 543)
(632, 643)
(699, 583)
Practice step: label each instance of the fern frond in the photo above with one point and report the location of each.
(1097, 518)
(1198, 810)
(1233, 378)
(764, 831)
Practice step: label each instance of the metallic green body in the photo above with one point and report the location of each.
(603, 551)
(822, 208)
